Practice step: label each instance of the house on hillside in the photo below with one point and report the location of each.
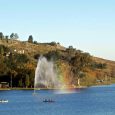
(4, 85)
(19, 51)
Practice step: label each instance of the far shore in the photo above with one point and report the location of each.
(80, 87)
(18, 88)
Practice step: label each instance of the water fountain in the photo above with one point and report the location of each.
(45, 75)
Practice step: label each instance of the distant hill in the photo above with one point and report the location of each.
(19, 60)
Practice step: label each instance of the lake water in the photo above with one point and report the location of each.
(90, 101)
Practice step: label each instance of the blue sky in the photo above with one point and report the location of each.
(88, 25)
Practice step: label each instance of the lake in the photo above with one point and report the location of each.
(98, 100)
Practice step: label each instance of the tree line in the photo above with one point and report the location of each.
(15, 36)
(16, 68)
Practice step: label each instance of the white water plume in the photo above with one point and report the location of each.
(45, 74)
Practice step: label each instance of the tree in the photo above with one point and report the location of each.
(70, 47)
(20, 83)
(1, 35)
(71, 51)
(21, 58)
(3, 66)
(6, 37)
(35, 42)
(12, 65)
(1, 50)
(53, 43)
(14, 36)
(27, 81)
(55, 55)
(30, 39)
(31, 79)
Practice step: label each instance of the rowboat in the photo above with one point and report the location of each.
(3, 101)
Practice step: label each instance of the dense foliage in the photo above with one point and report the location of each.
(17, 63)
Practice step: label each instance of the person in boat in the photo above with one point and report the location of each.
(45, 100)
(48, 100)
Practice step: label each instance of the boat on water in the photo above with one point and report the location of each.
(48, 101)
(3, 101)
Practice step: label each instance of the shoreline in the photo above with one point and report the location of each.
(68, 88)
(16, 88)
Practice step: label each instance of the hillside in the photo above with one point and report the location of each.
(75, 67)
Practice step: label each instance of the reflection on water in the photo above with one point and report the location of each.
(89, 101)
(66, 91)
